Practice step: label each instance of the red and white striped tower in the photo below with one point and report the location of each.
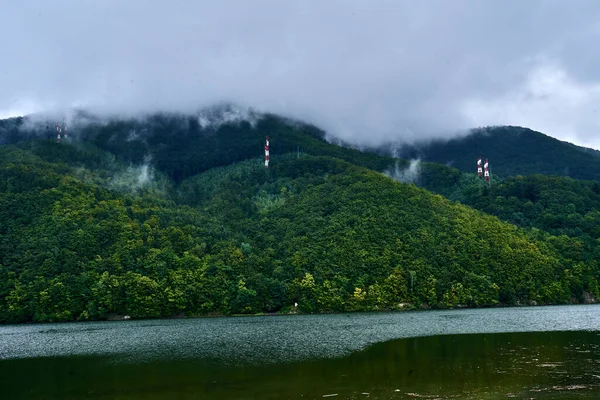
(58, 131)
(267, 153)
(479, 169)
(486, 171)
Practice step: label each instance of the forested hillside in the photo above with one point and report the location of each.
(127, 218)
(559, 205)
(511, 150)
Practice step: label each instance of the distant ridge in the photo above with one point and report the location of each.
(512, 151)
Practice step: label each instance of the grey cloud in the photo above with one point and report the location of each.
(366, 71)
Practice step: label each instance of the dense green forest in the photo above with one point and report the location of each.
(512, 151)
(163, 217)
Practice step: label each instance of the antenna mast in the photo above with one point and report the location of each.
(267, 152)
(486, 172)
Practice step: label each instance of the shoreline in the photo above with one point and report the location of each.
(122, 318)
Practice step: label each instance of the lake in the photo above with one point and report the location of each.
(500, 353)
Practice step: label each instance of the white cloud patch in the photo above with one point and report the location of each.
(135, 178)
(409, 174)
(226, 113)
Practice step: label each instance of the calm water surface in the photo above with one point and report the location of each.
(523, 353)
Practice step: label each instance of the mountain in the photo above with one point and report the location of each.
(182, 145)
(163, 216)
(511, 151)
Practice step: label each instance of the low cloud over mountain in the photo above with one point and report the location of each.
(365, 71)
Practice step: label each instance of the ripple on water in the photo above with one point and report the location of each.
(271, 339)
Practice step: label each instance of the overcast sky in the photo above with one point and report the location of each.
(364, 70)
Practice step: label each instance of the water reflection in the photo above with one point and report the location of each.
(542, 365)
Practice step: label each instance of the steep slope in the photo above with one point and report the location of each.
(512, 151)
(562, 211)
(317, 230)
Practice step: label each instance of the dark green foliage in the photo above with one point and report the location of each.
(179, 147)
(558, 205)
